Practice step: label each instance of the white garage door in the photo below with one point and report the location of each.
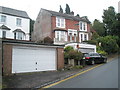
(29, 59)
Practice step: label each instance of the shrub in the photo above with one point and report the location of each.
(78, 66)
(48, 40)
(94, 42)
(74, 54)
(102, 52)
(109, 44)
(68, 48)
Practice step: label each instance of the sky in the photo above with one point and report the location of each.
(91, 8)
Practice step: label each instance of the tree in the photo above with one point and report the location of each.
(98, 27)
(61, 10)
(67, 10)
(31, 27)
(109, 18)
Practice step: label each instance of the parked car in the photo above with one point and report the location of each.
(92, 58)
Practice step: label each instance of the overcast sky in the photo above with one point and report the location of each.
(91, 8)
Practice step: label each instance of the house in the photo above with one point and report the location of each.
(14, 24)
(19, 56)
(60, 27)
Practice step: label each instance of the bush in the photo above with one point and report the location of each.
(78, 67)
(74, 54)
(48, 40)
(102, 52)
(68, 48)
(94, 42)
(109, 44)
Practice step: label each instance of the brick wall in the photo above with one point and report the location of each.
(7, 59)
(60, 58)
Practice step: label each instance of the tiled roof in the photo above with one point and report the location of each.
(67, 16)
(13, 12)
(4, 27)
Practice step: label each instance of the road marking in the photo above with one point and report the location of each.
(72, 76)
(75, 75)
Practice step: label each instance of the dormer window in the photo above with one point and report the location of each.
(60, 22)
(19, 34)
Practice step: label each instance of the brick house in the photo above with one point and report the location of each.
(61, 28)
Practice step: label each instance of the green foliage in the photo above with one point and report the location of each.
(70, 53)
(95, 36)
(74, 54)
(78, 67)
(109, 44)
(68, 48)
(109, 19)
(99, 27)
(61, 10)
(94, 42)
(101, 51)
(31, 27)
(67, 9)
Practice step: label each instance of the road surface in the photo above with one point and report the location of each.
(104, 76)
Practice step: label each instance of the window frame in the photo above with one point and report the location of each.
(60, 22)
(3, 19)
(18, 22)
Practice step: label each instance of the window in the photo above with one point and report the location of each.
(3, 19)
(20, 35)
(60, 22)
(75, 37)
(85, 37)
(15, 35)
(70, 37)
(18, 22)
(81, 37)
(60, 35)
(3, 34)
(57, 36)
(80, 25)
(84, 27)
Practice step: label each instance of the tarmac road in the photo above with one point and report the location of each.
(104, 76)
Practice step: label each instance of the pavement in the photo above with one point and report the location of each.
(40, 79)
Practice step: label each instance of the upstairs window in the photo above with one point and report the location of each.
(83, 26)
(3, 19)
(60, 22)
(19, 22)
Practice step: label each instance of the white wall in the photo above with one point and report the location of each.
(11, 23)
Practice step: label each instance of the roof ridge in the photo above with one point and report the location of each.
(66, 15)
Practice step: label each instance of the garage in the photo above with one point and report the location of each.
(86, 50)
(33, 59)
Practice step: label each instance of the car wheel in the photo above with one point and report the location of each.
(92, 62)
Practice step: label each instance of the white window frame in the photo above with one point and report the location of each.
(19, 35)
(18, 22)
(60, 36)
(60, 22)
(3, 19)
(82, 26)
